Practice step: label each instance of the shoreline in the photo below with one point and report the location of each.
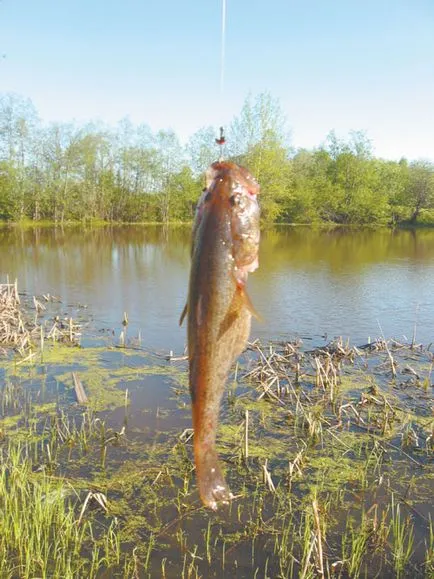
(30, 224)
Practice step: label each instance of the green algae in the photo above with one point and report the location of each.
(313, 451)
(102, 381)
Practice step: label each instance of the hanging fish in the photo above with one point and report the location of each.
(224, 250)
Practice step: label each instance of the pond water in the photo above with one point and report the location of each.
(358, 284)
(357, 443)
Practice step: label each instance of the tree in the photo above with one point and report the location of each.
(18, 124)
(261, 119)
(63, 171)
(60, 165)
(7, 186)
(185, 189)
(392, 184)
(420, 187)
(169, 162)
(202, 150)
(91, 158)
(358, 198)
(258, 139)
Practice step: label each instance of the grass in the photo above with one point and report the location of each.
(329, 454)
(402, 539)
(41, 535)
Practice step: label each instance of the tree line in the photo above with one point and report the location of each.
(65, 172)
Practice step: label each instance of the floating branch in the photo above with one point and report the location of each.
(79, 390)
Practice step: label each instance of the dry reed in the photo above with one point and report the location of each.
(22, 332)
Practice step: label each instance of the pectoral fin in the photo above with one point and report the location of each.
(184, 313)
(239, 300)
(229, 319)
(250, 306)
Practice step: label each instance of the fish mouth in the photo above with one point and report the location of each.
(221, 495)
(213, 488)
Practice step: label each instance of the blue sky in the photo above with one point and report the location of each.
(333, 64)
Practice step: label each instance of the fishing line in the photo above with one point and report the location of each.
(222, 49)
(221, 140)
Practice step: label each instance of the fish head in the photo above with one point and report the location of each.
(234, 190)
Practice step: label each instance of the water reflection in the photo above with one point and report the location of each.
(310, 282)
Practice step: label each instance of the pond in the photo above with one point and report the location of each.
(316, 284)
(327, 447)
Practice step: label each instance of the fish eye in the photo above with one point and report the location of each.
(232, 200)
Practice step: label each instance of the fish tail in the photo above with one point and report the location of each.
(213, 488)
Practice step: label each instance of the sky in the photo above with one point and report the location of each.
(332, 64)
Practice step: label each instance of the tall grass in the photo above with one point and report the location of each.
(40, 535)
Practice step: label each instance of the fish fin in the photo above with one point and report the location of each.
(184, 313)
(250, 306)
(229, 319)
(240, 298)
(231, 314)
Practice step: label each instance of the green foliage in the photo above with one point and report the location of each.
(7, 186)
(261, 144)
(420, 188)
(63, 172)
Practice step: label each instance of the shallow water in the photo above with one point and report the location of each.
(310, 283)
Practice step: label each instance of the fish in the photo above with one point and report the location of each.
(225, 243)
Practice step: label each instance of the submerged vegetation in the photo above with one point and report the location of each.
(330, 451)
(65, 172)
